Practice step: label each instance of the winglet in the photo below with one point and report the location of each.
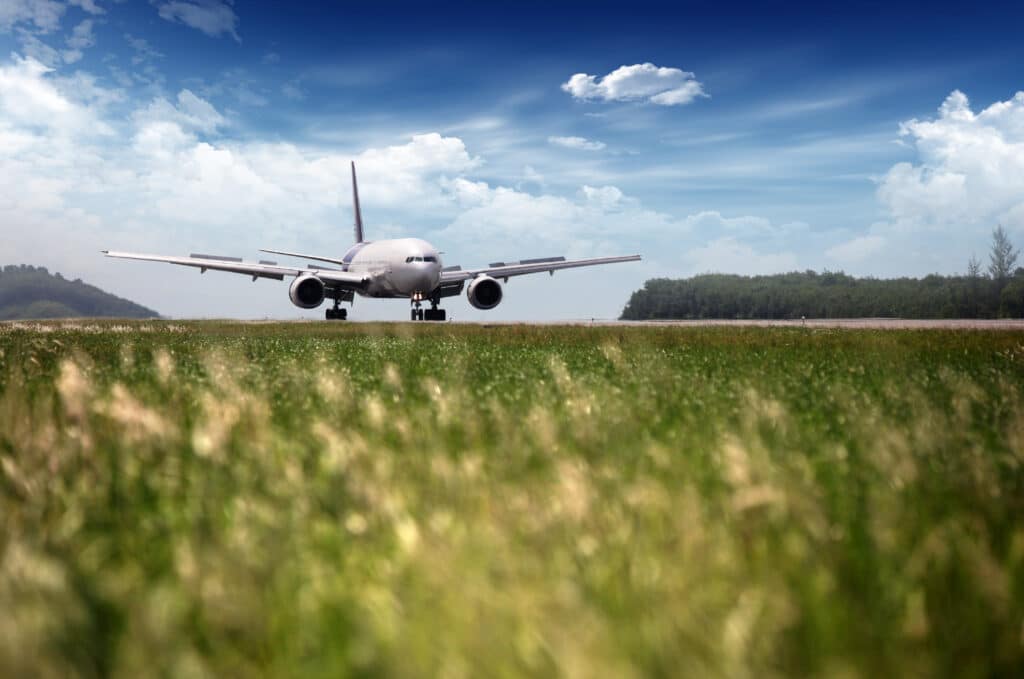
(355, 206)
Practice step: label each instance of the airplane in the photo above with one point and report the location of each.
(404, 268)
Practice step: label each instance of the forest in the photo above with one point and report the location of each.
(997, 292)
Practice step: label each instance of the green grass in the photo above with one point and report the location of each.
(193, 499)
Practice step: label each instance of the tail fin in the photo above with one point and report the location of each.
(355, 206)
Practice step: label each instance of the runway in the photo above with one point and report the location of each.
(838, 323)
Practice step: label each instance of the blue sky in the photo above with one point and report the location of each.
(878, 139)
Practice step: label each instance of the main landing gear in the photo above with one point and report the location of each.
(431, 314)
(336, 313)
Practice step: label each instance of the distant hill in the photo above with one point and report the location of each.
(828, 295)
(28, 292)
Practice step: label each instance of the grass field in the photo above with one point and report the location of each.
(198, 499)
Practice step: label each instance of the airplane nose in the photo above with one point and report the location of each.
(424, 278)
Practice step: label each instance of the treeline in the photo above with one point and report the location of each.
(827, 295)
(996, 293)
(28, 292)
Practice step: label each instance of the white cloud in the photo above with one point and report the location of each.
(31, 101)
(729, 255)
(414, 170)
(580, 143)
(606, 197)
(639, 82)
(500, 219)
(212, 17)
(32, 46)
(144, 52)
(856, 249)
(191, 113)
(89, 6)
(81, 38)
(970, 173)
(44, 15)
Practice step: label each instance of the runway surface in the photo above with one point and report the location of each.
(849, 323)
(98, 325)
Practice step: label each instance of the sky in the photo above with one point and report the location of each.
(878, 138)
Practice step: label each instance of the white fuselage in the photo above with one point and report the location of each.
(401, 267)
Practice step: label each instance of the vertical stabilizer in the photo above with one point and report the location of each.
(355, 206)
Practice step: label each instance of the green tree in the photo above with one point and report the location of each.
(973, 267)
(1002, 257)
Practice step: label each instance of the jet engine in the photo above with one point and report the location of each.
(306, 292)
(484, 292)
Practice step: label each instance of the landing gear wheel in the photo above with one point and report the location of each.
(412, 316)
(434, 314)
(342, 314)
(329, 314)
(419, 314)
(336, 314)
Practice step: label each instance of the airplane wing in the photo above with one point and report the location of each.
(521, 268)
(315, 258)
(332, 278)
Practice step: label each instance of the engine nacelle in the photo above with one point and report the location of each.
(307, 292)
(484, 292)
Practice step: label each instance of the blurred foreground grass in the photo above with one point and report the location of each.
(198, 499)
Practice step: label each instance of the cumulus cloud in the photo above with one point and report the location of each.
(579, 143)
(501, 219)
(31, 101)
(212, 17)
(639, 82)
(43, 15)
(970, 172)
(169, 167)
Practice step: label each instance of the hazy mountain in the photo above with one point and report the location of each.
(33, 292)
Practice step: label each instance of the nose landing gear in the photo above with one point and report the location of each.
(431, 314)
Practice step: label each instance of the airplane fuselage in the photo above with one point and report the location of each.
(401, 267)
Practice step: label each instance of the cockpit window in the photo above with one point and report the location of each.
(408, 259)
(430, 259)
